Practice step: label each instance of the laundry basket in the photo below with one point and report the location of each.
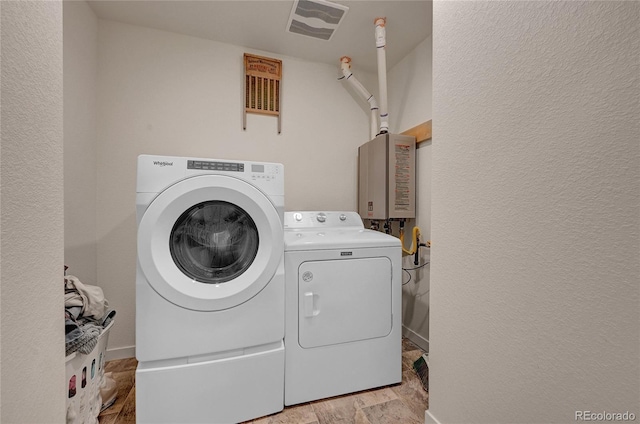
(84, 377)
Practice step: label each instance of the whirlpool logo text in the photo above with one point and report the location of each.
(162, 163)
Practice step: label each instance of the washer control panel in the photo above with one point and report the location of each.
(209, 165)
(322, 219)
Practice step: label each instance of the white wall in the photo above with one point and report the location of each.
(80, 86)
(534, 300)
(409, 87)
(32, 371)
(164, 93)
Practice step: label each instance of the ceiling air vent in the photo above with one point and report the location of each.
(316, 18)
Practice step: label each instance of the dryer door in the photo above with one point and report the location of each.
(341, 301)
(210, 242)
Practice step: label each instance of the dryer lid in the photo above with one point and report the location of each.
(332, 238)
(313, 230)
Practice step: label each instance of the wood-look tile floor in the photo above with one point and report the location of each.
(399, 403)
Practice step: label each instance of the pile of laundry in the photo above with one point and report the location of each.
(87, 313)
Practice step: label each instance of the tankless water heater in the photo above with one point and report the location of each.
(387, 177)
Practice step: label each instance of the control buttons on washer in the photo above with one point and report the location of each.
(322, 217)
(297, 216)
(343, 217)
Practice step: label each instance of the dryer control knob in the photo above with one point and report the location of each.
(297, 216)
(321, 217)
(343, 217)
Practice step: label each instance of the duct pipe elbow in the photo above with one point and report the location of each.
(345, 65)
(381, 32)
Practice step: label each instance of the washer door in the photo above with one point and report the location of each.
(210, 242)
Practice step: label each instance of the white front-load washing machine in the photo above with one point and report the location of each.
(343, 306)
(209, 290)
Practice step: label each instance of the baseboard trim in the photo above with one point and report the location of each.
(416, 338)
(120, 353)
(429, 418)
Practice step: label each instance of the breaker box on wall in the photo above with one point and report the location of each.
(387, 177)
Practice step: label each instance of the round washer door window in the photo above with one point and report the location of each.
(214, 242)
(210, 242)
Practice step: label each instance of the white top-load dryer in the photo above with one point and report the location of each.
(343, 306)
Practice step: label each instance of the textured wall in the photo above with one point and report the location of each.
(32, 370)
(80, 86)
(409, 86)
(534, 284)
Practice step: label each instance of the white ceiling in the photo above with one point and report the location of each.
(261, 25)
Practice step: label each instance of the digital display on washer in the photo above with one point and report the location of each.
(257, 168)
(215, 166)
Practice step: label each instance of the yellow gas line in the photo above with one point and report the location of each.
(414, 241)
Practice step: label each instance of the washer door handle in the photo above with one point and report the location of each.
(310, 304)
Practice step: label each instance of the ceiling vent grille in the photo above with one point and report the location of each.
(316, 18)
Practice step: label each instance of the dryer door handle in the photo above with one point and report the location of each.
(311, 304)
